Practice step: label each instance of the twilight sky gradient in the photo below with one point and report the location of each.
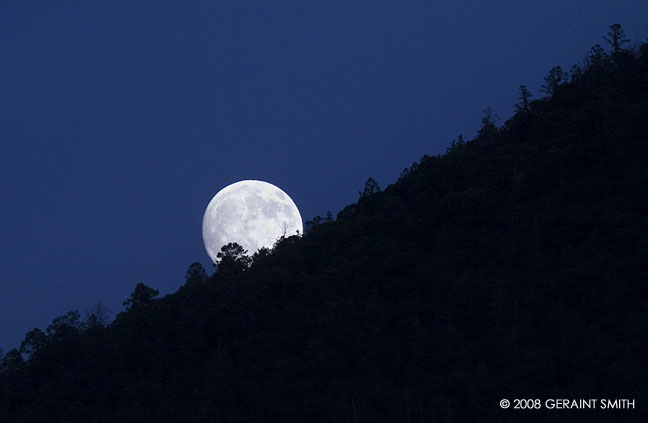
(120, 121)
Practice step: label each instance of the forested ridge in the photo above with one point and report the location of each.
(515, 265)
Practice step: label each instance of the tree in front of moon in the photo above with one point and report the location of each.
(233, 259)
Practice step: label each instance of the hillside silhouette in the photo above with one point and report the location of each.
(515, 265)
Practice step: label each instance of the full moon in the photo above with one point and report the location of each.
(254, 214)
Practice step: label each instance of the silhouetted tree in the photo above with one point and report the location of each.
(455, 145)
(596, 57)
(233, 259)
(309, 225)
(35, 340)
(12, 361)
(525, 95)
(616, 38)
(555, 77)
(370, 187)
(195, 273)
(142, 295)
(576, 73)
(262, 253)
(98, 315)
(65, 325)
(488, 130)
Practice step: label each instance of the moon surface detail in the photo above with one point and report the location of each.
(254, 214)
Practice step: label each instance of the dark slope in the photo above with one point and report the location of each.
(513, 266)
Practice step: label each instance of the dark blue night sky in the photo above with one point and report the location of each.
(120, 120)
